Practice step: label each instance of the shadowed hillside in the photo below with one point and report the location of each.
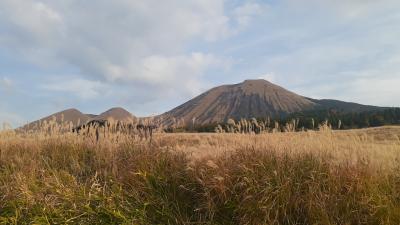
(73, 116)
(76, 117)
(118, 114)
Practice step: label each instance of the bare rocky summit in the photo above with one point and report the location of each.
(251, 98)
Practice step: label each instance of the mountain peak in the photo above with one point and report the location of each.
(71, 110)
(251, 98)
(71, 115)
(116, 113)
(255, 81)
(118, 109)
(259, 86)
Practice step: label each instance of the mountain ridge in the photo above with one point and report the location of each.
(250, 98)
(77, 118)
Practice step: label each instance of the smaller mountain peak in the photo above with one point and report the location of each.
(117, 109)
(69, 115)
(71, 110)
(117, 113)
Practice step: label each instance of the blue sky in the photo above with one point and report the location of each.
(150, 56)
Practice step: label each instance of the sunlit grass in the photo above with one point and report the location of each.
(347, 177)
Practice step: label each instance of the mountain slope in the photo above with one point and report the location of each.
(118, 114)
(345, 107)
(251, 98)
(67, 116)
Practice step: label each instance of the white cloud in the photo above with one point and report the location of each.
(84, 89)
(28, 22)
(376, 90)
(122, 41)
(355, 9)
(244, 13)
(147, 52)
(171, 71)
(6, 84)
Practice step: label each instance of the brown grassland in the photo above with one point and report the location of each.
(315, 177)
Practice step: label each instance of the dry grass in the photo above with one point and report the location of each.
(380, 145)
(327, 177)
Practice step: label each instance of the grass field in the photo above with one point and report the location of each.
(326, 177)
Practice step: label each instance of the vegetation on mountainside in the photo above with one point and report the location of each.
(309, 120)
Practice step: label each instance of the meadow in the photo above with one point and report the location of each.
(313, 177)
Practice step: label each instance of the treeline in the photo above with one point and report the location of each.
(311, 120)
(354, 120)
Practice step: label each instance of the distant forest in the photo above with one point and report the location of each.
(354, 120)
